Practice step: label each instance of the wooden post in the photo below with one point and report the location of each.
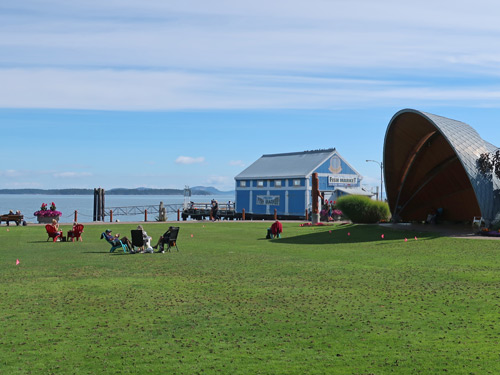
(110, 216)
(162, 216)
(315, 197)
(76, 216)
(307, 215)
(275, 214)
(94, 217)
(243, 214)
(99, 204)
(146, 215)
(102, 205)
(178, 215)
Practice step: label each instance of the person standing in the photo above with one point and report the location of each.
(215, 210)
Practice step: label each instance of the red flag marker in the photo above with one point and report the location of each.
(17, 262)
(416, 239)
(349, 233)
(406, 239)
(192, 236)
(382, 236)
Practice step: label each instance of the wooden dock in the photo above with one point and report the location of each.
(202, 211)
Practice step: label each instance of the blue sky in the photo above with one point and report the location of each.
(162, 94)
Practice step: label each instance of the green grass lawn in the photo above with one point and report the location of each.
(320, 300)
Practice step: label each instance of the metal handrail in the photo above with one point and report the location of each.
(172, 208)
(138, 210)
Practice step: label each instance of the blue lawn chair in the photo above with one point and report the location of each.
(119, 245)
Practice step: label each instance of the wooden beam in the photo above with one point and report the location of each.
(428, 178)
(409, 163)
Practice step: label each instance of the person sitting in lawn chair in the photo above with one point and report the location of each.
(115, 240)
(146, 240)
(75, 232)
(169, 238)
(56, 230)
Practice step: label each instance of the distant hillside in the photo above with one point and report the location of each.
(210, 190)
(198, 190)
(144, 191)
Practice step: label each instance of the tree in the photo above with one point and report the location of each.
(489, 163)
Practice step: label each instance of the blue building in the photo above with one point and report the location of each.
(284, 182)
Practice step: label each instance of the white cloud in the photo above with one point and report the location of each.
(71, 174)
(118, 90)
(236, 163)
(246, 55)
(21, 185)
(11, 173)
(221, 182)
(371, 181)
(189, 160)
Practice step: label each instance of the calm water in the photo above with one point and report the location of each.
(84, 204)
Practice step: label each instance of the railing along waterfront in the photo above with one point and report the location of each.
(141, 210)
(195, 211)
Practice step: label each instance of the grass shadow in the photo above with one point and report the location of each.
(354, 234)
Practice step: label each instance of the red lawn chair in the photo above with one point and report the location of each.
(52, 232)
(76, 233)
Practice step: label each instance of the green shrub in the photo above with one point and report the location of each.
(361, 209)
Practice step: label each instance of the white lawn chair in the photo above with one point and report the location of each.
(478, 221)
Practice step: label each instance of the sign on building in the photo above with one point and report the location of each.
(264, 200)
(342, 179)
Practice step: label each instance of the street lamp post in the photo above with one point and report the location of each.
(381, 173)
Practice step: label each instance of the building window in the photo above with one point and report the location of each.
(243, 183)
(260, 183)
(277, 183)
(296, 182)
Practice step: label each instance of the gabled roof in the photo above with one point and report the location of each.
(355, 191)
(290, 165)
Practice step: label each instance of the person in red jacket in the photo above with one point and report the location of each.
(276, 229)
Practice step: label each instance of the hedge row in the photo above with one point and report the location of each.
(361, 209)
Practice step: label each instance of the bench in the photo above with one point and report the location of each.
(18, 219)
